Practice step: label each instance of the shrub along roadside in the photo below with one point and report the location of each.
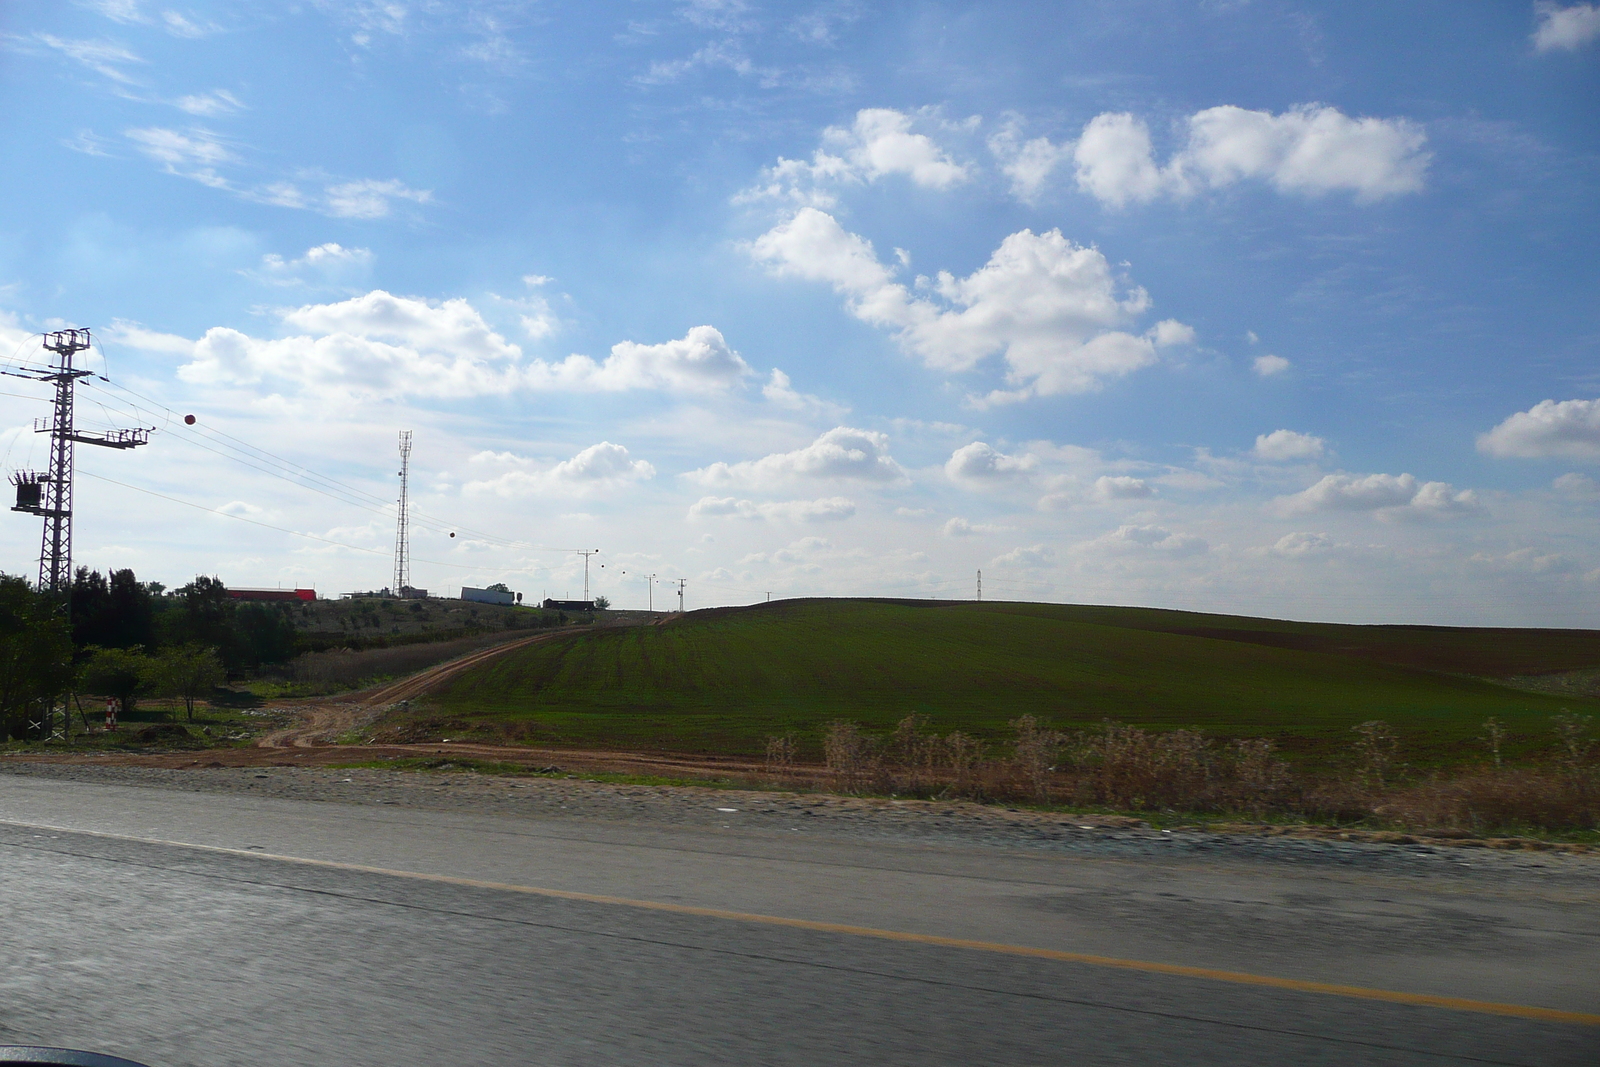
(1183, 772)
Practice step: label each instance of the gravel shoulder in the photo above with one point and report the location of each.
(1569, 875)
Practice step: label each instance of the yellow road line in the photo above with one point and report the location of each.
(1390, 996)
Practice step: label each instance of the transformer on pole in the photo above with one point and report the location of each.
(48, 494)
(402, 537)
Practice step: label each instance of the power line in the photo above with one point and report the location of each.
(267, 525)
(298, 474)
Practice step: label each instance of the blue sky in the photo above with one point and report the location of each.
(1274, 308)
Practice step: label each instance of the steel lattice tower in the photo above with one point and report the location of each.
(49, 495)
(402, 537)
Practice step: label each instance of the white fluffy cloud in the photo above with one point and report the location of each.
(599, 466)
(604, 462)
(372, 345)
(1121, 487)
(379, 344)
(326, 263)
(1268, 365)
(1577, 486)
(1283, 445)
(699, 362)
(1115, 161)
(841, 453)
(824, 509)
(880, 142)
(1300, 545)
(1309, 150)
(1125, 540)
(780, 391)
(1049, 307)
(1569, 429)
(1568, 28)
(959, 527)
(982, 464)
(1026, 557)
(1027, 163)
(1389, 496)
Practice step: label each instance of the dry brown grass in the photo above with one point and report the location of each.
(1181, 771)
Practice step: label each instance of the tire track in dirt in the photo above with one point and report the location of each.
(322, 722)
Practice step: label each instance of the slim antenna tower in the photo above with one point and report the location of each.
(650, 591)
(680, 594)
(586, 553)
(980, 585)
(402, 537)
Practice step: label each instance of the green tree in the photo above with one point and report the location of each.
(117, 672)
(602, 603)
(263, 633)
(90, 597)
(201, 613)
(35, 654)
(110, 614)
(188, 672)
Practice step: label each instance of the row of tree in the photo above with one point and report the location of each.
(122, 639)
(118, 611)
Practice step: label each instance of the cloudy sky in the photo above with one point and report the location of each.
(1264, 307)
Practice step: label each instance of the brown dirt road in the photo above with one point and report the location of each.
(323, 721)
(313, 740)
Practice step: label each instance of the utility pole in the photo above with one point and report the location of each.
(980, 585)
(680, 594)
(650, 591)
(769, 597)
(402, 537)
(48, 494)
(586, 553)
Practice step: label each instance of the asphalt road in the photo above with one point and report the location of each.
(201, 928)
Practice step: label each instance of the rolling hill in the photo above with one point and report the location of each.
(725, 679)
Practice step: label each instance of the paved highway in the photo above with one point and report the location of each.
(183, 928)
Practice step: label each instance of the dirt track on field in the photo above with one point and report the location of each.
(313, 740)
(323, 721)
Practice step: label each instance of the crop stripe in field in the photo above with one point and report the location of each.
(1390, 996)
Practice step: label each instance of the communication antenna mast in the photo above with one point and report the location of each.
(980, 585)
(650, 591)
(680, 594)
(402, 537)
(586, 553)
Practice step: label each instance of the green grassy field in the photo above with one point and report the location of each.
(726, 679)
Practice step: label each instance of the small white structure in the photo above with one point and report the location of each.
(487, 596)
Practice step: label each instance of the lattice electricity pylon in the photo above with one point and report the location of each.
(48, 494)
(402, 537)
